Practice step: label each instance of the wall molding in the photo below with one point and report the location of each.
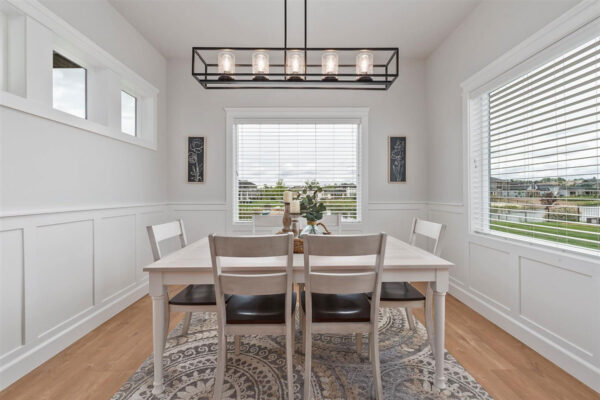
(42, 211)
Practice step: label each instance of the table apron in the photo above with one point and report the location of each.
(399, 275)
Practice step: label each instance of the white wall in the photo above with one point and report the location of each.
(195, 111)
(515, 286)
(73, 210)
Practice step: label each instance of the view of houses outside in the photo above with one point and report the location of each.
(559, 210)
(268, 199)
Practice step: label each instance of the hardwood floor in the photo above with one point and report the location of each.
(98, 364)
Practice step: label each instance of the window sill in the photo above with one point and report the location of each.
(19, 103)
(540, 245)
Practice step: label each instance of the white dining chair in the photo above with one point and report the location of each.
(260, 303)
(194, 298)
(403, 294)
(334, 300)
(270, 223)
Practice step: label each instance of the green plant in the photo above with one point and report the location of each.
(310, 207)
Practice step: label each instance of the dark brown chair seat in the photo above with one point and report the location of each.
(400, 291)
(339, 307)
(197, 295)
(261, 309)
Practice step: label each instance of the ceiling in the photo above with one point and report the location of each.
(416, 27)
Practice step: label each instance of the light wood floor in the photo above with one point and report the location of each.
(98, 364)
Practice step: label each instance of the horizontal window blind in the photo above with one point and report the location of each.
(273, 157)
(535, 153)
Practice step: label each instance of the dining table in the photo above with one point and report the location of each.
(192, 265)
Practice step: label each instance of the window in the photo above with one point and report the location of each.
(535, 153)
(273, 157)
(69, 86)
(128, 113)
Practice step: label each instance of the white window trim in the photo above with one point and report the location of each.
(67, 37)
(246, 114)
(580, 23)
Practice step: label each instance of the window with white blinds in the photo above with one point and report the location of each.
(273, 157)
(535, 153)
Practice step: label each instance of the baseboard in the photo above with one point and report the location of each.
(571, 363)
(28, 361)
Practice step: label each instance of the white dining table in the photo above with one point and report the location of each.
(192, 265)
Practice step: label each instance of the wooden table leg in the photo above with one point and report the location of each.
(158, 293)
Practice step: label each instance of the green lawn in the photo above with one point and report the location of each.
(541, 230)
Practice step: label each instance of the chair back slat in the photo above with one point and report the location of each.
(162, 232)
(341, 246)
(251, 246)
(254, 284)
(266, 221)
(343, 283)
(430, 230)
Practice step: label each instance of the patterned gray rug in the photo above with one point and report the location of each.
(339, 372)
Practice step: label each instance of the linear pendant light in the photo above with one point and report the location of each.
(216, 67)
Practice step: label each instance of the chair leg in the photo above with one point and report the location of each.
(359, 342)
(237, 345)
(307, 360)
(369, 346)
(221, 364)
(186, 323)
(374, 346)
(167, 321)
(303, 327)
(411, 319)
(289, 350)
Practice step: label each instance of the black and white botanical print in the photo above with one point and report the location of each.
(397, 159)
(196, 159)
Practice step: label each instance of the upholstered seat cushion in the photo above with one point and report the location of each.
(400, 291)
(339, 307)
(262, 309)
(195, 295)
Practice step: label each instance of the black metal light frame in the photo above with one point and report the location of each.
(383, 76)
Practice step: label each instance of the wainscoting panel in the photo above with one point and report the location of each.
(11, 290)
(59, 286)
(454, 244)
(200, 220)
(490, 274)
(557, 300)
(65, 272)
(116, 266)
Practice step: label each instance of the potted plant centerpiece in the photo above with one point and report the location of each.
(312, 209)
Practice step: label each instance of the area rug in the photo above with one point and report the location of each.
(339, 372)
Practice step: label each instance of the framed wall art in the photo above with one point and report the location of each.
(196, 165)
(397, 159)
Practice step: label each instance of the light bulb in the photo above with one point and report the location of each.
(260, 62)
(329, 63)
(364, 63)
(295, 62)
(226, 60)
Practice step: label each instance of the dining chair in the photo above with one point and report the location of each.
(261, 303)
(266, 222)
(403, 294)
(334, 299)
(194, 298)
